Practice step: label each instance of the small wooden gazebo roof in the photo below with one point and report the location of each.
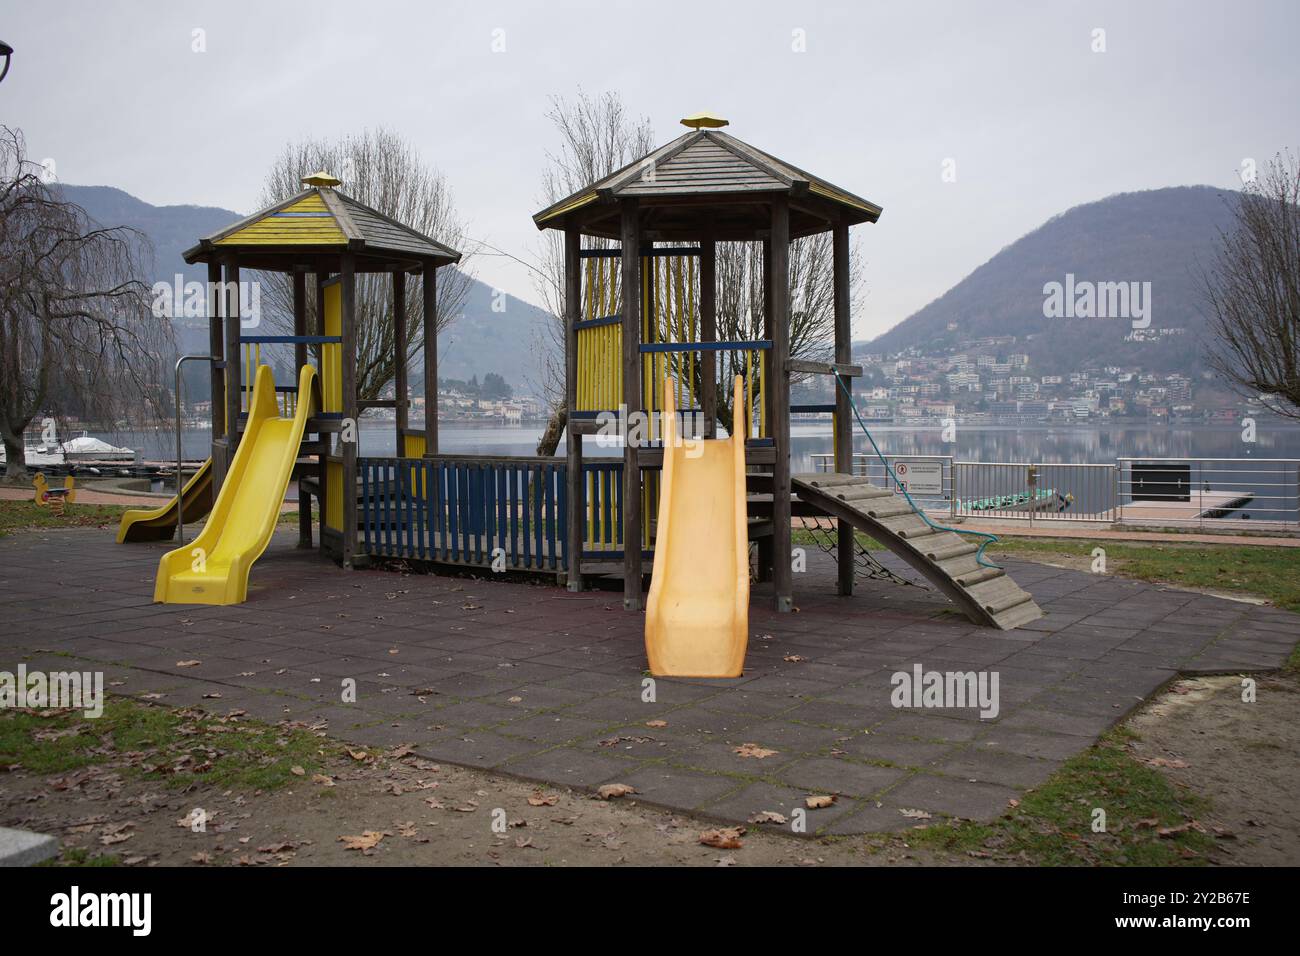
(318, 221)
(708, 168)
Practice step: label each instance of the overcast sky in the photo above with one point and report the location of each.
(881, 95)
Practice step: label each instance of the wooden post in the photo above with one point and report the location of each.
(430, 274)
(709, 333)
(351, 413)
(778, 401)
(233, 355)
(843, 401)
(299, 360)
(573, 441)
(631, 238)
(401, 390)
(217, 376)
(299, 322)
(766, 543)
(316, 326)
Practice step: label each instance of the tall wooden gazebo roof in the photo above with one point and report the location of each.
(322, 221)
(708, 169)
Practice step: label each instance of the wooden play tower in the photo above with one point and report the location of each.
(677, 203)
(324, 236)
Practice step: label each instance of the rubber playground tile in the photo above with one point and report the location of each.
(864, 816)
(1040, 743)
(574, 768)
(840, 776)
(1103, 646)
(483, 749)
(470, 714)
(839, 715)
(760, 797)
(1008, 769)
(745, 701)
(886, 749)
(950, 796)
(678, 788)
(551, 728)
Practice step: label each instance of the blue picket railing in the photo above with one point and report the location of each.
(470, 510)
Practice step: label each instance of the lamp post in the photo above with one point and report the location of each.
(6, 51)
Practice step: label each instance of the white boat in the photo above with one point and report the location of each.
(83, 448)
(86, 448)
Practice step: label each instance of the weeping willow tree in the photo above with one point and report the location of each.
(78, 337)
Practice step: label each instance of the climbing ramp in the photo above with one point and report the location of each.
(986, 594)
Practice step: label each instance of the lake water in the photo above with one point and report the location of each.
(985, 443)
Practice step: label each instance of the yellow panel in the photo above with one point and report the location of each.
(331, 353)
(413, 446)
(306, 222)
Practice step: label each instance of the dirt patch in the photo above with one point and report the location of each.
(1243, 757)
(402, 809)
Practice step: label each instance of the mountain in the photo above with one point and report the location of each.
(1160, 236)
(478, 342)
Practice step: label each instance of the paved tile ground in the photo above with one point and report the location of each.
(526, 679)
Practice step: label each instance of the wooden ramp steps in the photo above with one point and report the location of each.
(947, 560)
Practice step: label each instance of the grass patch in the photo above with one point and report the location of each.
(1270, 573)
(29, 516)
(806, 538)
(1052, 826)
(180, 748)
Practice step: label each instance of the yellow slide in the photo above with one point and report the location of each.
(159, 524)
(697, 614)
(213, 568)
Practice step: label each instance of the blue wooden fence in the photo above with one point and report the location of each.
(466, 510)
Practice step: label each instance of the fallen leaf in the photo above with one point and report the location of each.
(767, 816)
(724, 838)
(297, 771)
(656, 723)
(915, 814)
(188, 663)
(539, 799)
(754, 750)
(611, 791)
(365, 842)
(821, 801)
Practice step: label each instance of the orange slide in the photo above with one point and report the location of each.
(697, 614)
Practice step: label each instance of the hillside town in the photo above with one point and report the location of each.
(991, 380)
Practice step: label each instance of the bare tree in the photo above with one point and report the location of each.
(597, 137)
(386, 173)
(1253, 291)
(741, 307)
(77, 337)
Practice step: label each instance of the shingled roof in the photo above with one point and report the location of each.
(704, 164)
(320, 219)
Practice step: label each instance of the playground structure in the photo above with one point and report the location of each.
(323, 233)
(642, 353)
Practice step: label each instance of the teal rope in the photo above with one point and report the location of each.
(992, 538)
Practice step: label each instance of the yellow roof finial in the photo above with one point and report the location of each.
(705, 120)
(322, 179)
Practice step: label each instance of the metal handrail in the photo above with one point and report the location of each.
(180, 477)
